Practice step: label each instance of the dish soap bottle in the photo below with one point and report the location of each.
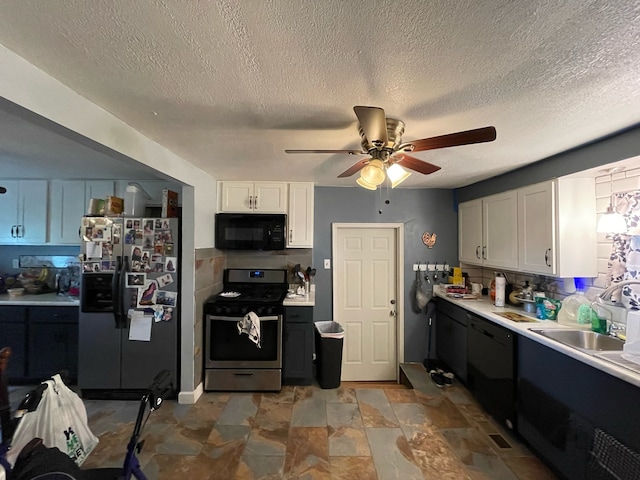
(576, 311)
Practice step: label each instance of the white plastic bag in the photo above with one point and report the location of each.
(60, 420)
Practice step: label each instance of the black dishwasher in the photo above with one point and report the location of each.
(491, 375)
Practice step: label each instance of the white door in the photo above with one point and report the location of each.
(365, 301)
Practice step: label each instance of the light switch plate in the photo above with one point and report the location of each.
(327, 263)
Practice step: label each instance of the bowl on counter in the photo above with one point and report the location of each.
(15, 292)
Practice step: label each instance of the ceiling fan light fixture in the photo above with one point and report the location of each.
(373, 173)
(364, 184)
(397, 175)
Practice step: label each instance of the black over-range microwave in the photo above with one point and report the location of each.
(250, 231)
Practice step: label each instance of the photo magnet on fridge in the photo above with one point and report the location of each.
(147, 295)
(167, 298)
(136, 279)
(170, 264)
(164, 280)
(148, 226)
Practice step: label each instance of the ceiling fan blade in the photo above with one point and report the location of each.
(350, 152)
(478, 135)
(356, 167)
(415, 164)
(373, 122)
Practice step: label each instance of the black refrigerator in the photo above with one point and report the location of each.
(129, 304)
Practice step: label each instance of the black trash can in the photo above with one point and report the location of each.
(329, 338)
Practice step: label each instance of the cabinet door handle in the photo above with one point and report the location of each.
(251, 201)
(484, 253)
(478, 252)
(255, 202)
(13, 231)
(20, 231)
(546, 257)
(290, 235)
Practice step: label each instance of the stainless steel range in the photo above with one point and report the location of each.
(233, 360)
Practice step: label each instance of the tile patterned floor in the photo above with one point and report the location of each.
(358, 431)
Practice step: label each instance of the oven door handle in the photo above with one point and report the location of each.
(270, 318)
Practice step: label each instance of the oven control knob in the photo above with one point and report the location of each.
(259, 311)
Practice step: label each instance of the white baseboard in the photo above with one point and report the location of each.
(191, 397)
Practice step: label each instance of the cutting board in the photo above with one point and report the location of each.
(516, 317)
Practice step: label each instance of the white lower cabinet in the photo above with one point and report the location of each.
(23, 216)
(69, 203)
(300, 216)
(557, 228)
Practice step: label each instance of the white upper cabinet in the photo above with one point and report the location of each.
(557, 228)
(300, 216)
(488, 233)
(253, 197)
(500, 230)
(69, 203)
(23, 216)
(470, 231)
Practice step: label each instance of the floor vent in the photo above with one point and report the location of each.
(499, 440)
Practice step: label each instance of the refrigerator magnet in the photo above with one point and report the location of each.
(170, 264)
(147, 295)
(135, 280)
(164, 280)
(149, 226)
(168, 249)
(167, 298)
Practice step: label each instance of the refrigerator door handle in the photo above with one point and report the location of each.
(115, 293)
(122, 288)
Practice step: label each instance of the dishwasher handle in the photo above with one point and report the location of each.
(479, 329)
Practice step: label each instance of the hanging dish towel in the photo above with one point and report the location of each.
(631, 348)
(250, 324)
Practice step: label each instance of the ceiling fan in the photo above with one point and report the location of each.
(382, 141)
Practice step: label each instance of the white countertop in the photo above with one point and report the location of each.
(486, 309)
(41, 300)
(301, 300)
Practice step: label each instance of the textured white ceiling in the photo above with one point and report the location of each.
(229, 85)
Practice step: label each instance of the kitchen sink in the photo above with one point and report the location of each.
(585, 340)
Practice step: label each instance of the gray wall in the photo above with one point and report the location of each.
(421, 210)
(620, 146)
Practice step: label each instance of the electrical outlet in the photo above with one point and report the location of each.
(423, 267)
(415, 267)
(327, 263)
(16, 263)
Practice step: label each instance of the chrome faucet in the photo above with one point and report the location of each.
(611, 289)
(617, 330)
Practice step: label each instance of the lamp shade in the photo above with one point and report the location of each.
(364, 184)
(612, 222)
(397, 175)
(373, 173)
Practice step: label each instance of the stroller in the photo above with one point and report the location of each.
(35, 460)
